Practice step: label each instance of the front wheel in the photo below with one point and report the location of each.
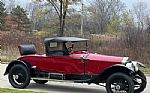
(119, 83)
(139, 82)
(19, 76)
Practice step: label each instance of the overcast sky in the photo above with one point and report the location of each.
(129, 3)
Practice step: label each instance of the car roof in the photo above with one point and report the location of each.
(64, 39)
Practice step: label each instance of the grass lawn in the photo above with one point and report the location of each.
(145, 70)
(6, 90)
(8, 58)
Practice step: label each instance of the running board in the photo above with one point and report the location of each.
(56, 80)
(69, 81)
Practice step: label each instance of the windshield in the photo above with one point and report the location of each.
(77, 46)
(65, 48)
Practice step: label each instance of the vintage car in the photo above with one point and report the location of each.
(68, 59)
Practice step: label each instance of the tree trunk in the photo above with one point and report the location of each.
(60, 19)
(63, 24)
(64, 16)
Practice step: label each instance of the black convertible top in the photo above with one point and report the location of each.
(64, 39)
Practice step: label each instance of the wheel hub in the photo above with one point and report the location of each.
(117, 87)
(16, 76)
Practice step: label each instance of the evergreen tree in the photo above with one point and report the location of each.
(2, 16)
(20, 18)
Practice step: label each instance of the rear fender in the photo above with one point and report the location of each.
(28, 66)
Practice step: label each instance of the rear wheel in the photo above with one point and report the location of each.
(119, 83)
(19, 76)
(40, 81)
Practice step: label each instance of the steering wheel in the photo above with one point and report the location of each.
(70, 49)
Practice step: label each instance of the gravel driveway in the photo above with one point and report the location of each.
(59, 87)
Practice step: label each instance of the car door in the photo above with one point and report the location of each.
(66, 65)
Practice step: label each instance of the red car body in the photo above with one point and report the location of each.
(61, 62)
(72, 64)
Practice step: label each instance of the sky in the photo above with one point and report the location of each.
(129, 3)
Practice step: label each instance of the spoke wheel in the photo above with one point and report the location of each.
(19, 76)
(119, 83)
(139, 82)
(40, 81)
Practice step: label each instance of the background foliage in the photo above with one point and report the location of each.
(112, 28)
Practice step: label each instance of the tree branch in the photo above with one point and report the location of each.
(55, 6)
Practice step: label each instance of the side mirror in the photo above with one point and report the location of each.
(83, 59)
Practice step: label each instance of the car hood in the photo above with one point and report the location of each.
(102, 58)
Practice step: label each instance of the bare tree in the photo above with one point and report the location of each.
(61, 7)
(140, 10)
(104, 11)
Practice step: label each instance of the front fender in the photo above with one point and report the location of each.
(102, 77)
(117, 68)
(12, 63)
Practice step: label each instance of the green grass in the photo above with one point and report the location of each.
(8, 58)
(6, 90)
(145, 70)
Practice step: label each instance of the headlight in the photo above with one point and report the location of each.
(134, 65)
(130, 66)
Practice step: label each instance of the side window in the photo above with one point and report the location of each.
(53, 45)
(55, 48)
